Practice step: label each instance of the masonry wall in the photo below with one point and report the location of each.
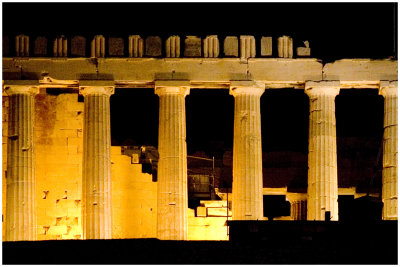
(58, 148)
(134, 199)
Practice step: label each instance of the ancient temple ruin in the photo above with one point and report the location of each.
(62, 179)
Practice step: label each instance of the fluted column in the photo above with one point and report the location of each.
(172, 195)
(298, 210)
(298, 206)
(322, 152)
(247, 199)
(96, 183)
(21, 183)
(389, 173)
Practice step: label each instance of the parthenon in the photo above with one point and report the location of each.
(57, 149)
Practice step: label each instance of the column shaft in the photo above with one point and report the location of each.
(21, 183)
(298, 210)
(172, 195)
(322, 153)
(247, 199)
(389, 172)
(96, 184)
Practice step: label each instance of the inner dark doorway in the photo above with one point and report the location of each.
(275, 206)
(134, 117)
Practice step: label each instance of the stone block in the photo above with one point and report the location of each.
(74, 212)
(42, 230)
(231, 46)
(266, 46)
(75, 230)
(6, 46)
(213, 203)
(201, 212)
(135, 46)
(60, 47)
(115, 46)
(78, 46)
(57, 230)
(74, 141)
(173, 46)
(63, 204)
(216, 212)
(304, 51)
(153, 46)
(247, 46)
(192, 46)
(98, 46)
(22, 45)
(285, 47)
(211, 46)
(40, 46)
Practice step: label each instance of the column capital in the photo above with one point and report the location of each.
(96, 90)
(294, 197)
(246, 87)
(388, 88)
(21, 89)
(172, 88)
(322, 88)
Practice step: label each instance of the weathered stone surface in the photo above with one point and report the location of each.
(173, 46)
(192, 46)
(60, 47)
(285, 47)
(266, 46)
(247, 187)
(98, 46)
(304, 51)
(389, 90)
(6, 46)
(172, 193)
(135, 46)
(97, 162)
(231, 46)
(21, 182)
(78, 46)
(22, 45)
(247, 46)
(40, 47)
(115, 46)
(201, 212)
(360, 69)
(153, 46)
(211, 46)
(322, 156)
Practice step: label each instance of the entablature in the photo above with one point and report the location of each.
(202, 73)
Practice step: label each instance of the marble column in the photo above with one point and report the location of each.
(298, 210)
(21, 182)
(389, 173)
(96, 179)
(172, 195)
(247, 199)
(298, 206)
(322, 152)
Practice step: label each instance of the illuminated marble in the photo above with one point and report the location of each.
(389, 173)
(172, 195)
(322, 151)
(96, 182)
(21, 181)
(247, 155)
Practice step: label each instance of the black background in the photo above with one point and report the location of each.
(334, 30)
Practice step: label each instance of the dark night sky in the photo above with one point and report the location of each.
(334, 30)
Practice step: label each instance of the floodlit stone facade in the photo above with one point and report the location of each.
(63, 180)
